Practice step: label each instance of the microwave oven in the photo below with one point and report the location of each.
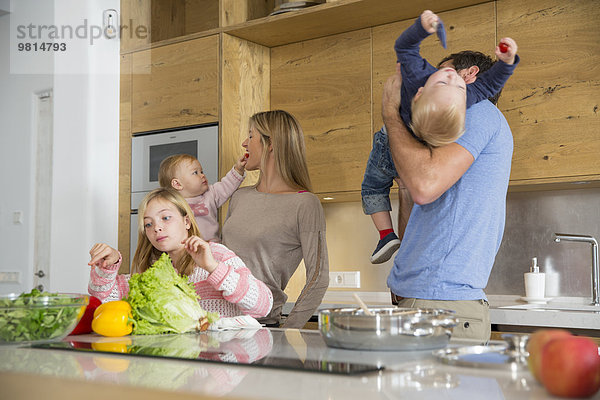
(150, 149)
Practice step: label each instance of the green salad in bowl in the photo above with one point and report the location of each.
(39, 316)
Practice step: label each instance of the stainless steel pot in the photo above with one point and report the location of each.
(390, 328)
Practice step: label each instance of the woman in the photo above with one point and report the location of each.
(275, 224)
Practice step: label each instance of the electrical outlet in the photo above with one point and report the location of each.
(9, 276)
(344, 279)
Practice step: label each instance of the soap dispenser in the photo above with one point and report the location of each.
(535, 282)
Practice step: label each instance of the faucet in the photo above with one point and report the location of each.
(595, 269)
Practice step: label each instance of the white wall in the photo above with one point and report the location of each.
(86, 151)
(85, 81)
(16, 148)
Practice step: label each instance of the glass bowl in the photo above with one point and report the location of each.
(39, 317)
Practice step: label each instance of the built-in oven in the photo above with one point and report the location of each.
(150, 148)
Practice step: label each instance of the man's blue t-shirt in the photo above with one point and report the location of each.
(449, 245)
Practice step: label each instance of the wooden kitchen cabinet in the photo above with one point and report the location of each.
(245, 88)
(125, 159)
(326, 84)
(147, 22)
(327, 65)
(552, 101)
(176, 85)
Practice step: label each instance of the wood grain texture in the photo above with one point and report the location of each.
(326, 84)
(201, 15)
(245, 84)
(334, 17)
(136, 24)
(176, 85)
(234, 12)
(470, 28)
(125, 160)
(167, 18)
(552, 102)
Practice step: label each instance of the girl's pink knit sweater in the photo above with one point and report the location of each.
(231, 289)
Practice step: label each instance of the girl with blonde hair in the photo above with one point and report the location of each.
(277, 223)
(167, 225)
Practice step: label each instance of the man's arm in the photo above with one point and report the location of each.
(405, 205)
(426, 172)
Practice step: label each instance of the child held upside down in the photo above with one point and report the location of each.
(433, 106)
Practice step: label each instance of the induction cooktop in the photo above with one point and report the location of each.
(255, 348)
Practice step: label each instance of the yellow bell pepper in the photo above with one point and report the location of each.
(112, 345)
(113, 319)
(120, 304)
(111, 364)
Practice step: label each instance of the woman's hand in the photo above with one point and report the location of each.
(103, 256)
(199, 249)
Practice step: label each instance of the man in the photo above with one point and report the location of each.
(456, 225)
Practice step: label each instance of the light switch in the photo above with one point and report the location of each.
(352, 279)
(109, 23)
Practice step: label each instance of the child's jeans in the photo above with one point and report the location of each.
(379, 176)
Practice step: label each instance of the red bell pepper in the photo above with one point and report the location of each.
(85, 323)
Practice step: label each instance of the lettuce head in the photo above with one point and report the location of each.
(164, 302)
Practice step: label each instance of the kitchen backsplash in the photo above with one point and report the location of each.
(531, 220)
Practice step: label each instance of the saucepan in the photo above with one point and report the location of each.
(387, 328)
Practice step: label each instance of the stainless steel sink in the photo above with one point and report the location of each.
(554, 307)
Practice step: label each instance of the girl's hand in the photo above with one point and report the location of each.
(199, 249)
(103, 256)
(240, 165)
(506, 50)
(429, 21)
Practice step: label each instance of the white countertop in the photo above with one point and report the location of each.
(407, 374)
(554, 314)
(542, 317)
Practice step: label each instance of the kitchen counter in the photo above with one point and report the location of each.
(566, 312)
(504, 310)
(28, 372)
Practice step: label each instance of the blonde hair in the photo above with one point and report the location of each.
(280, 129)
(435, 124)
(168, 168)
(145, 253)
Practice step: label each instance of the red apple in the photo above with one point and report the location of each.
(571, 367)
(536, 343)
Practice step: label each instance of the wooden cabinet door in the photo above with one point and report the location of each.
(552, 101)
(176, 85)
(326, 84)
